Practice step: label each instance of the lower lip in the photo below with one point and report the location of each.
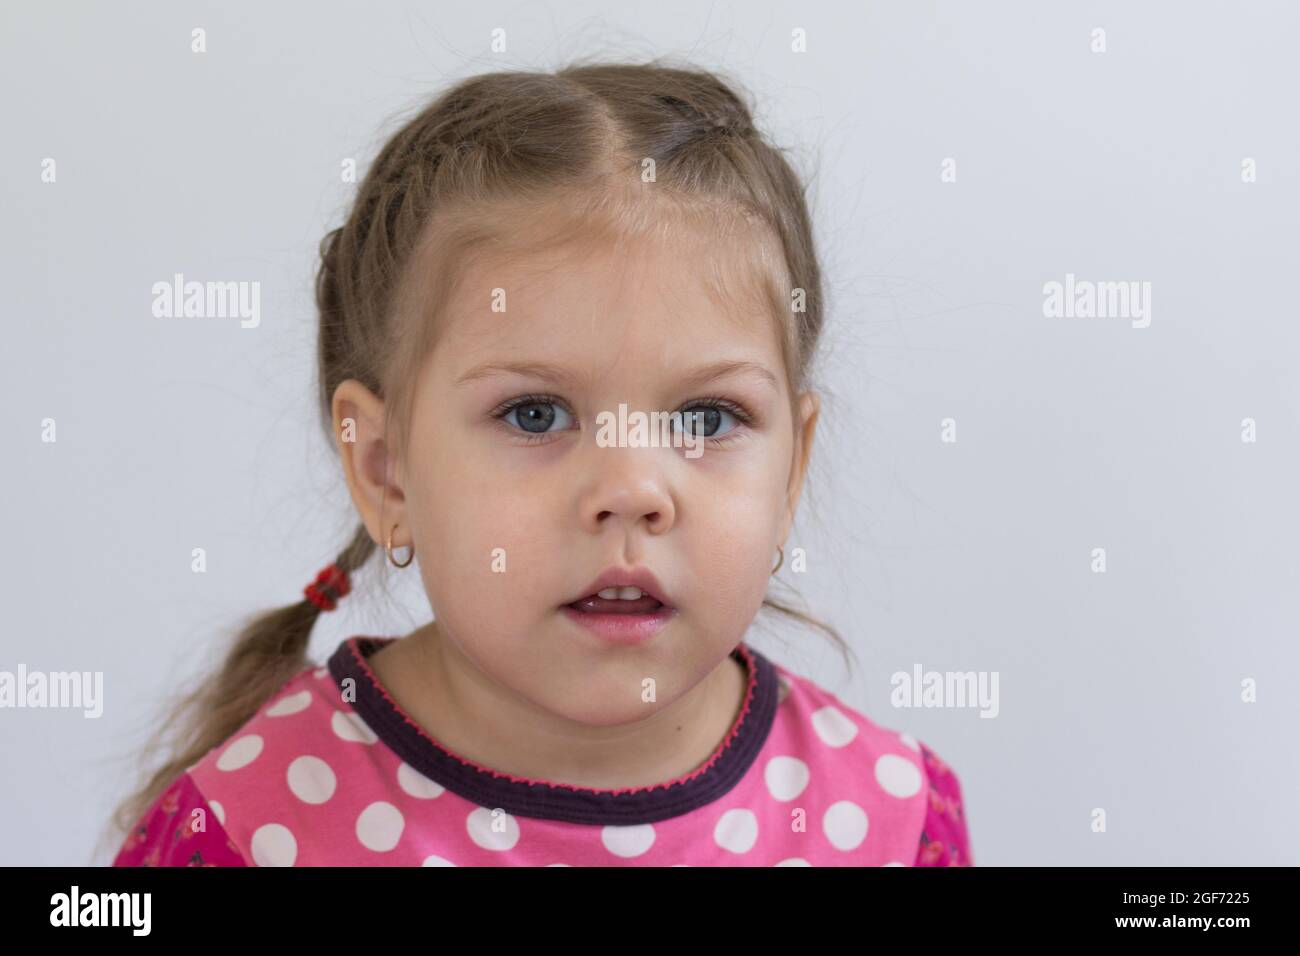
(622, 628)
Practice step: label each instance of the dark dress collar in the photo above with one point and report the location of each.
(524, 797)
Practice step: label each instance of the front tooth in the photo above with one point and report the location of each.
(616, 593)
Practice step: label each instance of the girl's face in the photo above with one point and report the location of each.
(511, 523)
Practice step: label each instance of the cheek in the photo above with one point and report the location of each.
(740, 495)
(487, 558)
(737, 508)
(488, 549)
(734, 551)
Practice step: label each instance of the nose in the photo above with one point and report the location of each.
(627, 485)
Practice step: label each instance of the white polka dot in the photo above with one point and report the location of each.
(503, 836)
(833, 726)
(845, 825)
(380, 826)
(417, 784)
(898, 776)
(893, 863)
(240, 753)
(349, 726)
(274, 845)
(291, 704)
(321, 671)
(630, 841)
(219, 810)
(557, 864)
(737, 830)
(910, 741)
(793, 861)
(311, 779)
(786, 777)
(437, 861)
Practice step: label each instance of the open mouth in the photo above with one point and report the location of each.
(617, 600)
(623, 606)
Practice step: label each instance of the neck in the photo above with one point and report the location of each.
(471, 714)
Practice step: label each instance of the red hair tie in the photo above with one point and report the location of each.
(330, 585)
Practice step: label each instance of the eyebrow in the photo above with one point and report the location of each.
(558, 375)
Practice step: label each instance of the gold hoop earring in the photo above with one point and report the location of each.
(389, 549)
(780, 560)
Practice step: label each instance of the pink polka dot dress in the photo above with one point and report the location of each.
(324, 777)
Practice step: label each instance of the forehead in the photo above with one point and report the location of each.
(609, 302)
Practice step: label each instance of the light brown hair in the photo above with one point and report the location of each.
(503, 141)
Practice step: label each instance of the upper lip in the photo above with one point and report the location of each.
(641, 578)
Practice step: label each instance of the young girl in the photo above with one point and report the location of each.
(531, 263)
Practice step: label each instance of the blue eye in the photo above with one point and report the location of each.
(704, 420)
(536, 416)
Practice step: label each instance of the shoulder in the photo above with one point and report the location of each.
(181, 828)
(188, 824)
(945, 840)
(297, 719)
(287, 774)
(900, 766)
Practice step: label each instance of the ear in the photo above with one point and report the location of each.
(809, 407)
(373, 474)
